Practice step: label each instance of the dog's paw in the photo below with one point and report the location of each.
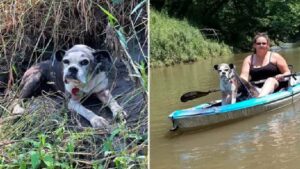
(17, 109)
(121, 116)
(124, 114)
(99, 122)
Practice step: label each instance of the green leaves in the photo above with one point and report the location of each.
(70, 146)
(122, 38)
(112, 20)
(49, 161)
(42, 138)
(238, 21)
(35, 159)
(174, 41)
(143, 68)
(120, 162)
(39, 154)
(138, 6)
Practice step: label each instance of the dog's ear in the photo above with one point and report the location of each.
(216, 67)
(59, 55)
(231, 66)
(102, 56)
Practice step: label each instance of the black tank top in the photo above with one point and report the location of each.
(264, 72)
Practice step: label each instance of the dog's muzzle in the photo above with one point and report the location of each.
(72, 75)
(73, 70)
(223, 75)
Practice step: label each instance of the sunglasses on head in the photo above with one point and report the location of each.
(260, 43)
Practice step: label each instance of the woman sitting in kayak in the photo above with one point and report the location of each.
(264, 64)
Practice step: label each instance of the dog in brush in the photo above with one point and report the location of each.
(79, 71)
(232, 86)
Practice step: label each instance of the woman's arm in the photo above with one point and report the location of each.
(245, 68)
(282, 66)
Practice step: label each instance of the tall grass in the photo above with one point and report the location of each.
(48, 135)
(174, 41)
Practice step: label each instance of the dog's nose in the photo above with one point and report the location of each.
(223, 73)
(73, 70)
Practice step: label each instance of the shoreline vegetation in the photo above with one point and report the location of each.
(233, 24)
(175, 41)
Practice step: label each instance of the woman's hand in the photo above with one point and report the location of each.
(280, 77)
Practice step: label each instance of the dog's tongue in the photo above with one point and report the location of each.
(75, 91)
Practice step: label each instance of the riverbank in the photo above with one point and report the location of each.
(174, 41)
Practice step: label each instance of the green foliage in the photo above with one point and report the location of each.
(138, 66)
(32, 153)
(124, 158)
(143, 68)
(174, 41)
(54, 150)
(111, 18)
(238, 21)
(47, 138)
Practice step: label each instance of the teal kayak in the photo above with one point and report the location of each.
(214, 113)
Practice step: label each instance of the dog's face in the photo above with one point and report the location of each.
(81, 63)
(224, 70)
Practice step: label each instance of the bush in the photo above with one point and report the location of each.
(174, 41)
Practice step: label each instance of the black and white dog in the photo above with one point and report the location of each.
(231, 84)
(78, 71)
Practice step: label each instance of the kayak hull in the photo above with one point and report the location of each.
(207, 114)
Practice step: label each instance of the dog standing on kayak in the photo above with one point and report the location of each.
(231, 84)
(228, 83)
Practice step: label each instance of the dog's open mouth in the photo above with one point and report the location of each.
(72, 80)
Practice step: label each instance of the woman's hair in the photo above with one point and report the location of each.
(258, 35)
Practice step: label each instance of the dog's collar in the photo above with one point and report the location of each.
(231, 79)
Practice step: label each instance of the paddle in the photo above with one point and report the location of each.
(196, 94)
(263, 80)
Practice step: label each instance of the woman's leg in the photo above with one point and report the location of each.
(269, 86)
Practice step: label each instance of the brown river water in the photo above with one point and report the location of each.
(270, 140)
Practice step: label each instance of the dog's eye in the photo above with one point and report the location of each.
(226, 70)
(66, 61)
(84, 62)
